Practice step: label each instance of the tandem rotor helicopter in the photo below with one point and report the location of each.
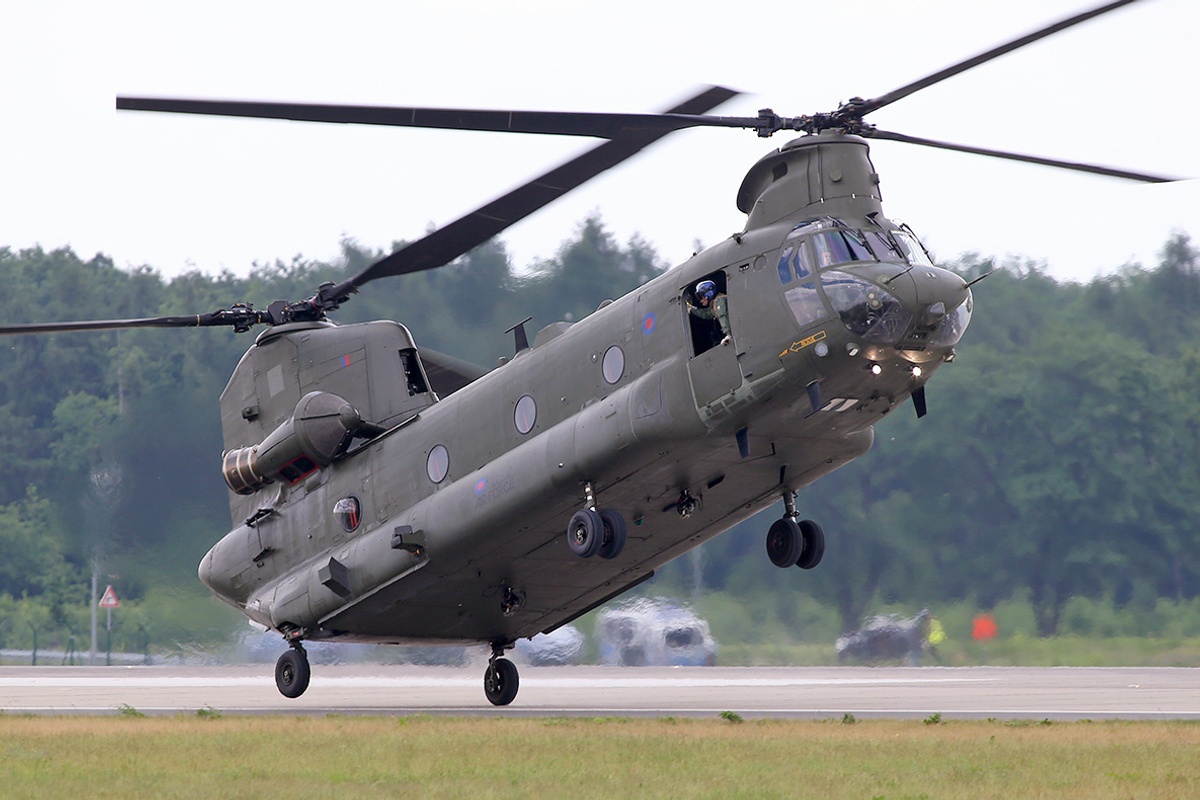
(381, 492)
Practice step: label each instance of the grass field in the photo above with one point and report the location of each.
(210, 756)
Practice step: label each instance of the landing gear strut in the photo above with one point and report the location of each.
(292, 671)
(790, 542)
(591, 532)
(501, 680)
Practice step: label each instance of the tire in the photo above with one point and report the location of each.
(613, 541)
(814, 544)
(292, 673)
(784, 543)
(585, 533)
(501, 681)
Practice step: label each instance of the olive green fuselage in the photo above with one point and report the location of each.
(463, 501)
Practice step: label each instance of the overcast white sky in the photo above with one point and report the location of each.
(187, 192)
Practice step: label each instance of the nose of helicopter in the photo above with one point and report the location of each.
(939, 306)
(935, 285)
(919, 313)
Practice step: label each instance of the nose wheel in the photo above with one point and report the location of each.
(500, 680)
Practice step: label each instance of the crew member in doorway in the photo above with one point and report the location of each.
(712, 306)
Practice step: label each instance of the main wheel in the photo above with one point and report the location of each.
(613, 541)
(501, 681)
(784, 543)
(292, 673)
(814, 544)
(585, 533)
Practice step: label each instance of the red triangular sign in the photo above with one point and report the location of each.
(109, 600)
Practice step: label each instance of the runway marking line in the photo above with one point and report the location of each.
(433, 682)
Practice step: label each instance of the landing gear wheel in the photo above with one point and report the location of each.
(501, 681)
(613, 541)
(292, 672)
(814, 544)
(585, 533)
(784, 542)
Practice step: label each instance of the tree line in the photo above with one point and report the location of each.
(1060, 456)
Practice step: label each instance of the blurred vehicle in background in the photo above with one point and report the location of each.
(647, 632)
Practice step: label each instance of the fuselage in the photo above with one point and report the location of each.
(459, 504)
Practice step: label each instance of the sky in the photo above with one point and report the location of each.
(182, 193)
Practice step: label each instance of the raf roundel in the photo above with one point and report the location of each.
(648, 324)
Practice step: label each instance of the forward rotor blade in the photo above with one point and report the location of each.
(1075, 166)
(558, 123)
(867, 106)
(468, 232)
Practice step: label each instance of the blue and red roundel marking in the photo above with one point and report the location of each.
(481, 486)
(648, 324)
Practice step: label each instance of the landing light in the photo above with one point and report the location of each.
(876, 369)
(916, 371)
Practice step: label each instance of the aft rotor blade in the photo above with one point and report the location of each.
(1076, 166)
(468, 232)
(222, 318)
(558, 123)
(867, 106)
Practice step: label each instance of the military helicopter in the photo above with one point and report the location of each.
(382, 492)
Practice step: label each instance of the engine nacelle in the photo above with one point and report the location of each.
(321, 426)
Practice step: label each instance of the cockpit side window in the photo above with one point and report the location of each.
(806, 304)
(785, 264)
(802, 261)
(795, 260)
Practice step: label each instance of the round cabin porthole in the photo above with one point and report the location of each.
(348, 511)
(437, 466)
(525, 414)
(614, 364)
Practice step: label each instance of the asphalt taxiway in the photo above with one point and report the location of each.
(1058, 693)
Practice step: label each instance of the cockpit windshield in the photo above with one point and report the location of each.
(914, 253)
(840, 247)
(883, 246)
(824, 242)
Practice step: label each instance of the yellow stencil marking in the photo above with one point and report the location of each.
(796, 347)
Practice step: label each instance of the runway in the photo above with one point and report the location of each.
(1059, 693)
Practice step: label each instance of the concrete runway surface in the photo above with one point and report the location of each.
(1059, 693)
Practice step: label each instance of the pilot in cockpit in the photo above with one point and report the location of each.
(712, 305)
